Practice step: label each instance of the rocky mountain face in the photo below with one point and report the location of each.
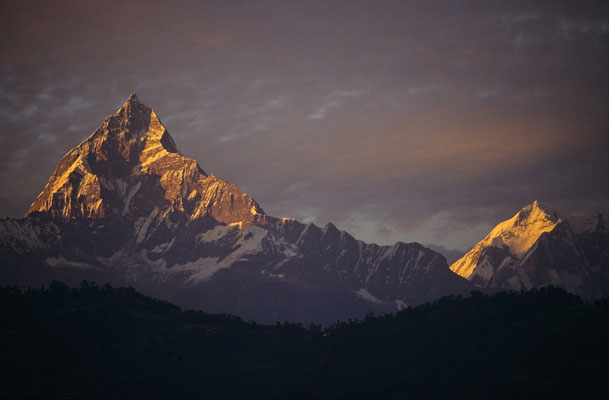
(537, 248)
(130, 167)
(125, 206)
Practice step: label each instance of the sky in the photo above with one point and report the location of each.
(427, 121)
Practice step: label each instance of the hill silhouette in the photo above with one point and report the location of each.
(104, 342)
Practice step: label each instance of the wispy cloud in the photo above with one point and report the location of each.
(335, 100)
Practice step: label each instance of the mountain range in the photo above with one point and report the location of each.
(126, 207)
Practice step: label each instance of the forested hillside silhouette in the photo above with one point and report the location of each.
(104, 342)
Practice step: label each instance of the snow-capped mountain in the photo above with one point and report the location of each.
(538, 248)
(130, 167)
(125, 206)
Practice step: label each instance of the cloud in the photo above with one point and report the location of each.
(335, 100)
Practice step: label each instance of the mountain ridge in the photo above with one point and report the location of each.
(125, 206)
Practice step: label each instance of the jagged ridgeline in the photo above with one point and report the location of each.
(125, 206)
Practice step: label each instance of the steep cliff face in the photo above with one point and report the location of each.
(537, 248)
(130, 167)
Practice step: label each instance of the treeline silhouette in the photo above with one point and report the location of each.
(104, 342)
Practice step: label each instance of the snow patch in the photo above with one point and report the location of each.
(366, 295)
(201, 269)
(216, 233)
(400, 305)
(141, 234)
(204, 268)
(290, 252)
(133, 190)
(161, 248)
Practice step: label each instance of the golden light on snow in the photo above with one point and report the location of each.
(517, 234)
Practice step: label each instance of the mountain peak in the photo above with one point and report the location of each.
(130, 166)
(536, 211)
(537, 205)
(133, 98)
(521, 231)
(517, 235)
(131, 102)
(132, 118)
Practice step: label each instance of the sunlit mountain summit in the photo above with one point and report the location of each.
(130, 167)
(537, 247)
